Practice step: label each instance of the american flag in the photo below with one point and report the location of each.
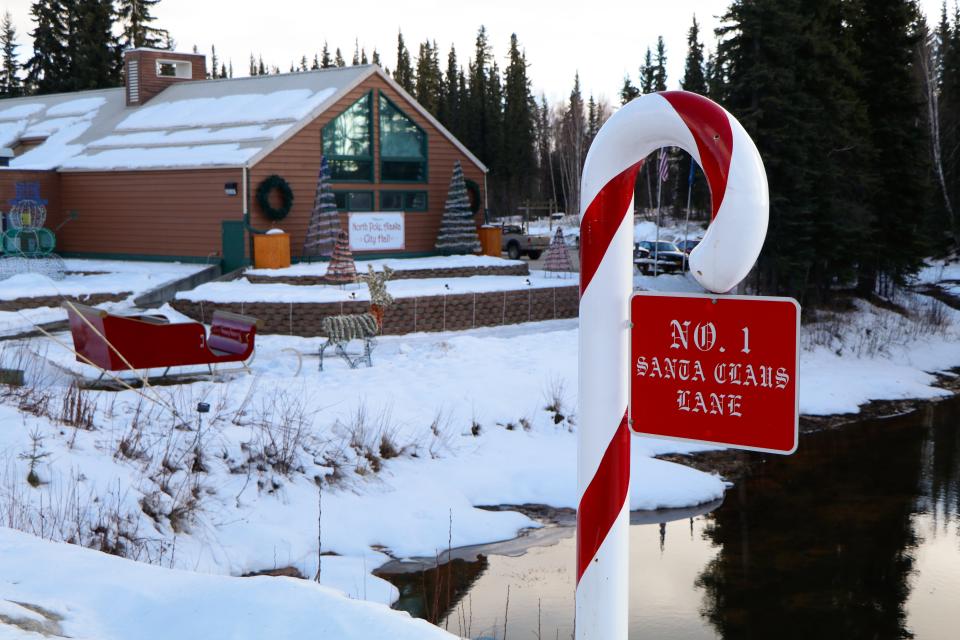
(664, 167)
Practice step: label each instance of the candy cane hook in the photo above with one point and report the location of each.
(730, 246)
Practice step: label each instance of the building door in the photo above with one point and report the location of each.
(233, 236)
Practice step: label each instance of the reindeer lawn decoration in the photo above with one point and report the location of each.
(339, 330)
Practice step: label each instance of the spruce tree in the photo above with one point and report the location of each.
(10, 83)
(338, 60)
(887, 34)
(214, 62)
(427, 88)
(762, 42)
(660, 67)
(493, 120)
(326, 61)
(356, 52)
(253, 66)
(94, 54)
(647, 71)
(449, 108)
(458, 230)
(363, 56)
(475, 106)
(135, 18)
(47, 69)
(694, 79)
(375, 59)
(223, 70)
(628, 92)
(403, 73)
(519, 127)
(315, 64)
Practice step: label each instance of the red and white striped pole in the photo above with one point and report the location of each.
(729, 249)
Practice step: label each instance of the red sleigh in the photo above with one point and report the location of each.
(119, 343)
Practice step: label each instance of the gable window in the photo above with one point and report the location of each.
(354, 200)
(348, 143)
(403, 146)
(403, 200)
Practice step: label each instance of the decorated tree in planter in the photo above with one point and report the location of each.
(558, 257)
(324, 219)
(341, 269)
(458, 230)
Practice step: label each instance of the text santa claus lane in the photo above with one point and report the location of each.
(735, 378)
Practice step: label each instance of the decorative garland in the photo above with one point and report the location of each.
(286, 197)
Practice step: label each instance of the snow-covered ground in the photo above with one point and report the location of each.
(397, 264)
(84, 278)
(64, 590)
(400, 455)
(242, 290)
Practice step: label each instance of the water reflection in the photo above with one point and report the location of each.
(855, 536)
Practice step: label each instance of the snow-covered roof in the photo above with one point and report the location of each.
(213, 123)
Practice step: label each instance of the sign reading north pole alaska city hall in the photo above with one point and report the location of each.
(715, 369)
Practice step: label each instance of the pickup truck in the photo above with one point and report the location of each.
(516, 243)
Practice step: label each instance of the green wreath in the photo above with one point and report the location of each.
(286, 197)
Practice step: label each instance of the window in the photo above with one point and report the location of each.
(403, 200)
(174, 69)
(354, 200)
(348, 143)
(403, 146)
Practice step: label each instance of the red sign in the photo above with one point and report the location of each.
(715, 369)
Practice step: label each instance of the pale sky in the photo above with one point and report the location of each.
(601, 40)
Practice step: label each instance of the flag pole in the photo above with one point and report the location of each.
(656, 245)
(686, 224)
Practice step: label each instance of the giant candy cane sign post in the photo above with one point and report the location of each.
(712, 368)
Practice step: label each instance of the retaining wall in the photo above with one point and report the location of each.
(406, 315)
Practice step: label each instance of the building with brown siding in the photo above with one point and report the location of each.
(167, 166)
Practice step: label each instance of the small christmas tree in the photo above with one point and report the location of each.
(558, 257)
(341, 269)
(324, 219)
(458, 230)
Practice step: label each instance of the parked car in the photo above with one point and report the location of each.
(516, 243)
(687, 245)
(665, 255)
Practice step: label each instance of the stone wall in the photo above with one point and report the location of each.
(406, 315)
(404, 274)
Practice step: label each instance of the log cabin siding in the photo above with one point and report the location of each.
(297, 160)
(174, 213)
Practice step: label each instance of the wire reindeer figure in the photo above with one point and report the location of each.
(340, 330)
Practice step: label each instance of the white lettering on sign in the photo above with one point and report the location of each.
(377, 231)
(703, 337)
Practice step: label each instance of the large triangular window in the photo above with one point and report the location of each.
(348, 143)
(403, 146)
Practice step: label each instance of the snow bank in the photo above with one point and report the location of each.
(397, 264)
(103, 597)
(118, 276)
(243, 290)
